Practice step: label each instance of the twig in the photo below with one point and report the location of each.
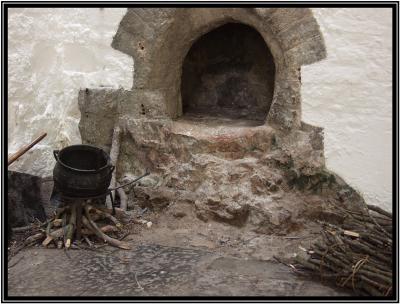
(137, 282)
(114, 153)
(87, 241)
(19, 260)
(22, 229)
(292, 267)
(122, 197)
(379, 210)
(71, 226)
(110, 217)
(124, 236)
(92, 225)
(66, 253)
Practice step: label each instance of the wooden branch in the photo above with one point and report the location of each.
(87, 241)
(78, 221)
(34, 238)
(380, 211)
(119, 213)
(92, 225)
(24, 149)
(105, 229)
(107, 215)
(356, 253)
(71, 227)
(123, 198)
(114, 153)
(22, 229)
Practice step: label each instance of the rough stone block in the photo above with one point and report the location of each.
(24, 199)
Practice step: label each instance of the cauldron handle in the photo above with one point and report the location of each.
(55, 153)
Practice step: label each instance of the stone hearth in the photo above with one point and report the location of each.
(215, 114)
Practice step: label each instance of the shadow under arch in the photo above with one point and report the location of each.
(228, 72)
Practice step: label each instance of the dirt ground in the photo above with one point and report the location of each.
(179, 255)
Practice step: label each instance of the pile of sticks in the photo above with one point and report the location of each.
(77, 223)
(356, 253)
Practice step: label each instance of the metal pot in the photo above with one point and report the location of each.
(82, 171)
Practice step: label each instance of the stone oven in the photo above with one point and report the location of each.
(215, 114)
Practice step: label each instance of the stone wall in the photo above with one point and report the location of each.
(55, 52)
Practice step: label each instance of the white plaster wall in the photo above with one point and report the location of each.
(349, 94)
(54, 52)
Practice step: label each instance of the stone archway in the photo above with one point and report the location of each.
(159, 38)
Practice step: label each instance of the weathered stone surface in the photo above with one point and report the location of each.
(24, 199)
(56, 51)
(159, 55)
(241, 175)
(154, 270)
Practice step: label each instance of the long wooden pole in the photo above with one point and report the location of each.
(23, 150)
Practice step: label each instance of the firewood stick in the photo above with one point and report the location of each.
(376, 276)
(371, 265)
(367, 270)
(60, 211)
(22, 229)
(371, 290)
(88, 241)
(49, 228)
(57, 222)
(24, 149)
(119, 213)
(123, 198)
(92, 225)
(78, 221)
(369, 251)
(57, 233)
(364, 275)
(97, 216)
(48, 238)
(379, 210)
(105, 229)
(71, 226)
(34, 238)
(310, 263)
(366, 217)
(345, 257)
(116, 222)
(64, 221)
(47, 241)
(385, 230)
(114, 153)
(336, 254)
(361, 257)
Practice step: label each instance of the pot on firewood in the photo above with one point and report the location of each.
(82, 171)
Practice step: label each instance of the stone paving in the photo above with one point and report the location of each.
(153, 270)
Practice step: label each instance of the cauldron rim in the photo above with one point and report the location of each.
(71, 147)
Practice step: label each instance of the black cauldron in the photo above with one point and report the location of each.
(82, 171)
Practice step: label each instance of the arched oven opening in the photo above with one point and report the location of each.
(228, 73)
